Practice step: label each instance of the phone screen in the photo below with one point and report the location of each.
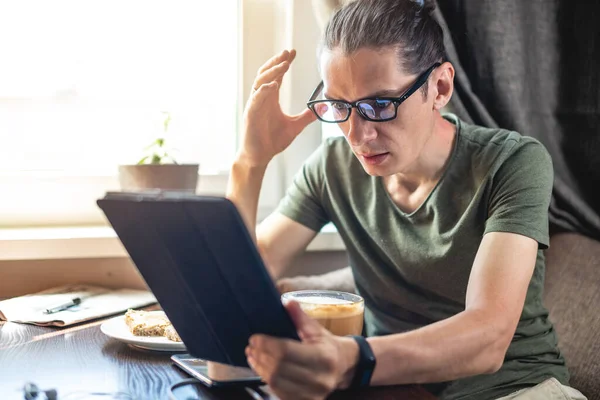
(214, 374)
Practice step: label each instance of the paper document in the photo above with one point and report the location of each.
(94, 302)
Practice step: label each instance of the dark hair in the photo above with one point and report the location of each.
(407, 25)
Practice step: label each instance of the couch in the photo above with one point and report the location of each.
(572, 296)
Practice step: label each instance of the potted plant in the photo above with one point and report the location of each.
(158, 169)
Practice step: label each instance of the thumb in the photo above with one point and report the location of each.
(307, 327)
(300, 121)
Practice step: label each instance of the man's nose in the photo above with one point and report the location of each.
(360, 131)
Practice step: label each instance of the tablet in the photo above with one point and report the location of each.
(197, 257)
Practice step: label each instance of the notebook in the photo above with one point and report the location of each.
(95, 302)
(197, 257)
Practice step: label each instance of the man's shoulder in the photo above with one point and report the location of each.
(494, 137)
(497, 143)
(484, 151)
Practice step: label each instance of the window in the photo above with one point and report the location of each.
(83, 85)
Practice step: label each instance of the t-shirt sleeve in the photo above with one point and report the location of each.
(521, 193)
(303, 201)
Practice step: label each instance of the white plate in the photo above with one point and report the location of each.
(117, 328)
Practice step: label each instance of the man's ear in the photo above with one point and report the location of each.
(444, 85)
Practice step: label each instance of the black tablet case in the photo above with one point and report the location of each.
(198, 259)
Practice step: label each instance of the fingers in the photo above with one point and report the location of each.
(274, 69)
(291, 381)
(266, 350)
(289, 366)
(270, 351)
(273, 74)
(308, 328)
(261, 94)
(277, 59)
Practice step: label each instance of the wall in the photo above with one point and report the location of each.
(22, 277)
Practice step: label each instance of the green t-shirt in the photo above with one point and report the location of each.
(413, 269)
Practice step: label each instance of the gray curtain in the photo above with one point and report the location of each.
(533, 66)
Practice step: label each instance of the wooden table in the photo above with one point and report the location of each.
(82, 358)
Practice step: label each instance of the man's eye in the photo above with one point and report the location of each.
(381, 103)
(339, 106)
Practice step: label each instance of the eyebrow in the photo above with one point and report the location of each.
(381, 93)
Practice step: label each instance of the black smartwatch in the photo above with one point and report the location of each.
(366, 364)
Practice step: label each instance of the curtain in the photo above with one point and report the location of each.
(533, 67)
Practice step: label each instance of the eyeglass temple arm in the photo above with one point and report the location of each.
(316, 91)
(420, 82)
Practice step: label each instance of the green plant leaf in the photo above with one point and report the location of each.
(143, 160)
(167, 120)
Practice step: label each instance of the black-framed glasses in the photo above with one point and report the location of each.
(376, 109)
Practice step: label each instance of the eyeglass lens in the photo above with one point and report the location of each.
(335, 111)
(377, 108)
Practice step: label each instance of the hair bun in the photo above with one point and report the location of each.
(427, 6)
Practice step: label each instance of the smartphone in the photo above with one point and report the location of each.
(214, 374)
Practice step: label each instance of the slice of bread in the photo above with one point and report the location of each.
(172, 334)
(146, 323)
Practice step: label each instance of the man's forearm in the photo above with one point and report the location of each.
(243, 189)
(464, 345)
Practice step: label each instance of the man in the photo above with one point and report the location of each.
(444, 222)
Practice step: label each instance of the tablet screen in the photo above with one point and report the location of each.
(197, 257)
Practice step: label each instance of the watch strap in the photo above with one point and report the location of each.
(365, 365)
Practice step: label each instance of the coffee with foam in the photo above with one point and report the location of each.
(339, 312)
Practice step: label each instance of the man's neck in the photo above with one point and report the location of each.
(409, 189)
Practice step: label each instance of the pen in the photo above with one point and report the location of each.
(74, 301)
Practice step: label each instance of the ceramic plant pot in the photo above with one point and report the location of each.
(179, 177)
